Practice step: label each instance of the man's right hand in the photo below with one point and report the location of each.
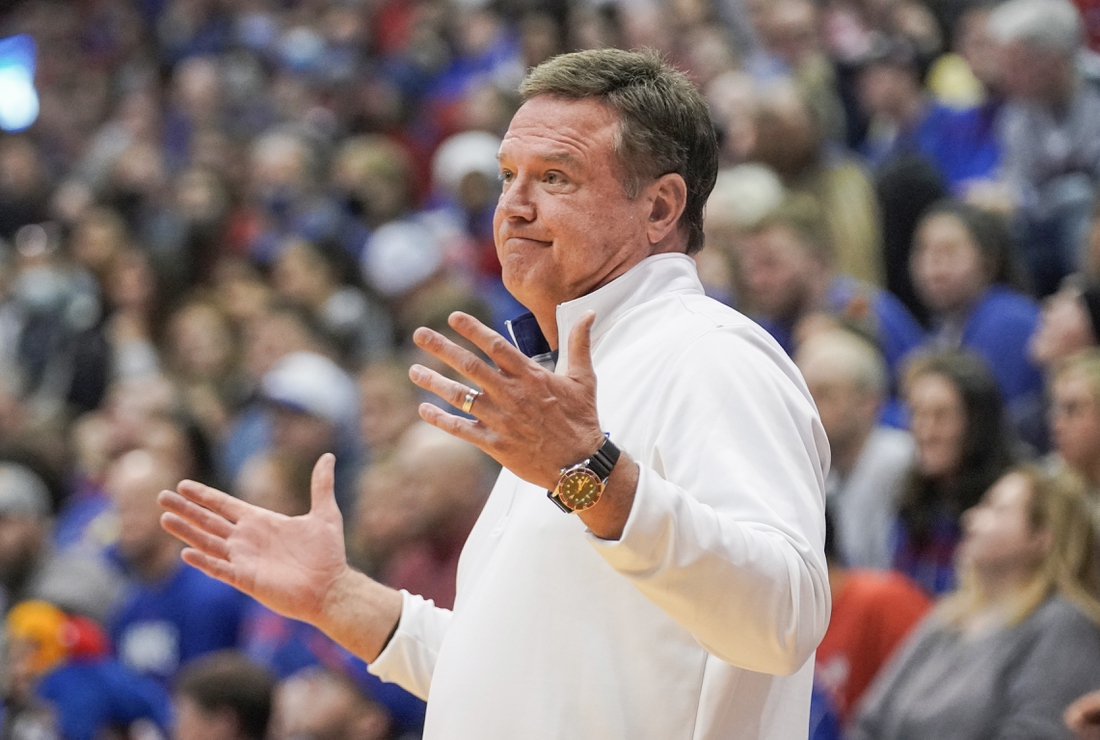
(295, 566)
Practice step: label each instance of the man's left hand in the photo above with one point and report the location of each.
(532, 421)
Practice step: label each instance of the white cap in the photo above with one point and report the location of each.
(461, 154)
(22, 492)
(313, 384)
(399, 256)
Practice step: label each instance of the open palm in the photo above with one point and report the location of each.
(289, 564)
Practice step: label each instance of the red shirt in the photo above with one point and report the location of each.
(872, 613)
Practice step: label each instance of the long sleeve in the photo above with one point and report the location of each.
(409, 658)
(727, 526)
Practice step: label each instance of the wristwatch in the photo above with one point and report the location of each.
(580, 486)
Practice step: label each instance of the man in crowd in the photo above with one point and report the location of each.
(223, 696)
(847, 378)
(1050, 132)
(690, 590)
(171, 613)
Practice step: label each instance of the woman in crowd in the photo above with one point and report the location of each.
(963, 272)
(963, 445)
(1007, 652)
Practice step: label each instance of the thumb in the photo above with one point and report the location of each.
(322, 486)
(580, 349)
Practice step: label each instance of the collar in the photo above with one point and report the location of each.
(661, 274)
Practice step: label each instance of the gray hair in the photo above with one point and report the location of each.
(1052, 25)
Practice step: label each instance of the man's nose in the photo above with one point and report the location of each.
(515, 200)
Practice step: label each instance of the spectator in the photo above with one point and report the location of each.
(905, 120)
(30, 568)
(62, 680)
(200, 354)
(873, 612)
(275, 482)
(1050, 129)
(1069, 323)
(387, 517)
(1075, 418)
(962, 446)
(1008, 650)
(964, 273)
(319, 277)
(388, 406)
(449, 496)
(788, 139)
(223, 696)
(742, 196)
(323, 705)
(171, 612)
(313, 407)
(786, 266)
(849, 383)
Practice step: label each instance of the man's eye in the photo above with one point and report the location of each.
(506, 176)
(554, 178)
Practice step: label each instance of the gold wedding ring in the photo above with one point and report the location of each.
(468, 402)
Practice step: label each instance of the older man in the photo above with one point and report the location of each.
(1050, 132)
(674, 585)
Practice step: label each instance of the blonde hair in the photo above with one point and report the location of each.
(1057, 504)
(1085, 363)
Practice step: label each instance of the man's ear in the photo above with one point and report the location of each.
(668, 195)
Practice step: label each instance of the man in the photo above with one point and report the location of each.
(223, 696)
(847, 378)
(171, 613)
(1049, 129)
(687, 599)
(787, 269)
(30, 568)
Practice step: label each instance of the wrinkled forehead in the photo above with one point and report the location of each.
(556, 127)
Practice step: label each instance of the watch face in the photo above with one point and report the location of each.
(580, 489)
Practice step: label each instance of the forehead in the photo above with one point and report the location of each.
(552, 128)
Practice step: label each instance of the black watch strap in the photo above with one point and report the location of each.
(603, 461)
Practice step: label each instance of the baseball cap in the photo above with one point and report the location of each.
(313, 384)
(400, 256)
(22, 492)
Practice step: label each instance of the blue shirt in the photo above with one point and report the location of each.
(162, 625)
(93, 696)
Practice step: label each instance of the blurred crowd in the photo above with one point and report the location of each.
(230, 215)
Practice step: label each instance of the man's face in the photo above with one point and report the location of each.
(776, 269)
(563, 224)
(1075, 420)
(1029, 73)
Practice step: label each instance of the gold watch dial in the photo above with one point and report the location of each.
(580, 489)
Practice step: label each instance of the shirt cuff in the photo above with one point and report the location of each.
(409, 658)
(647, 533)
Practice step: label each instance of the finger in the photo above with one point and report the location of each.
(193, 536)
(463, 360)
(213, 567)
(198, 516)
(465, 429)
(497, 348)
(449, 390)
(322, 486)
(580, 349)
(211, 498)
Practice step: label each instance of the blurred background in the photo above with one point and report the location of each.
(221, 220)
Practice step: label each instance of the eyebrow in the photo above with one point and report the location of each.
(556, 157)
